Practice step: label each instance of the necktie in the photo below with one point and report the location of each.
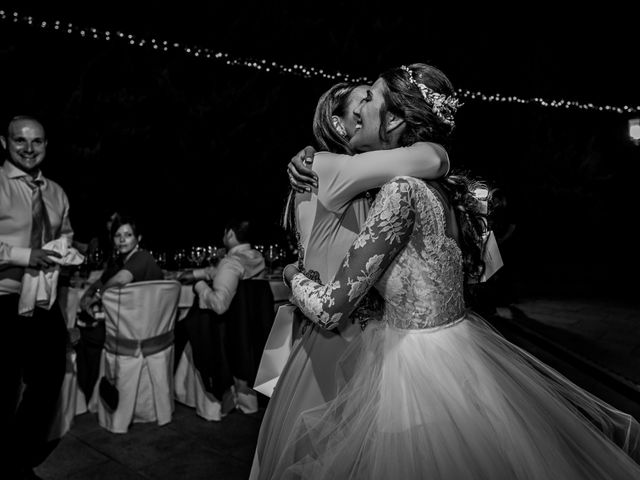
(40, 225)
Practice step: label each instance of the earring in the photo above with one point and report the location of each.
(340, 129)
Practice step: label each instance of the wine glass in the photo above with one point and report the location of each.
(202, 256)
(179, 257)
(271, 255)
(214, 254)
(96, 258)
(198, 256)
(160, 257)
(283, 254)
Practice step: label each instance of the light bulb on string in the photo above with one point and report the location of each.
(297, 69)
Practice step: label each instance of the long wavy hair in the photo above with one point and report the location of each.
(332, 102)
(404, 98)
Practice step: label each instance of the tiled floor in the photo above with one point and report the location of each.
(187, 448)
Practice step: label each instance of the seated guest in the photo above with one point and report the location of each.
(130, 264)
(242, 262)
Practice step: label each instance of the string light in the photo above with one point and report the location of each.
(296, 69)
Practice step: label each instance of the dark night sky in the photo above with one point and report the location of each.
(184, 142)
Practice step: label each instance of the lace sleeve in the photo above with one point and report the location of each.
(385, 233)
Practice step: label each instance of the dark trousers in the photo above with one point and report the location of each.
(33, 357)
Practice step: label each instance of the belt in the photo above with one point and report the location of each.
(132, 348)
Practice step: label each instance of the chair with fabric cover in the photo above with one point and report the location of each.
(72, 401)
(139, 319)
(225, 350)
(190, 389)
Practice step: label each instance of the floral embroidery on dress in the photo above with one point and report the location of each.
(312, 304)
(362, 283)
(381, 238)
(403, 250)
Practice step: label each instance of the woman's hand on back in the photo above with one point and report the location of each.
(301, 177)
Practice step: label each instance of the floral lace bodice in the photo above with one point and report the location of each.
(404, 252)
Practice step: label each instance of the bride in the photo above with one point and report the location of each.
(328, 219)
(436, 392)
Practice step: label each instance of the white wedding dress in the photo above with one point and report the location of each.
(436, 393)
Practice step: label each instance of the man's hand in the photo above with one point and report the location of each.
(301, 177)
(187, 278)
(39, 258)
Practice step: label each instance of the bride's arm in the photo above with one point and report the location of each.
(386, 231)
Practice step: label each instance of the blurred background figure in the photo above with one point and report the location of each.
(502, 222)
(498, 290)
(242, 262)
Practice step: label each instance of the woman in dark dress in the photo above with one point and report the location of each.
(130, 264)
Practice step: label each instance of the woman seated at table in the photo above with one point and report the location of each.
(130, 264)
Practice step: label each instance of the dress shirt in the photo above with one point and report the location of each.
(242, 262)
(16, 219)
(40, 287)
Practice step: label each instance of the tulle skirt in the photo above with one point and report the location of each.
(457, 402)
(307, 381)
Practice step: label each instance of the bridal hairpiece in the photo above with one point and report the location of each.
(444, 106)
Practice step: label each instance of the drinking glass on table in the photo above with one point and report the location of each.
(198, 256)
(96, 258)
(180, 257)
(271, 254)
(215, 254)
(162, 259)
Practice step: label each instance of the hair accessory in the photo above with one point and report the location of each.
(444, 106)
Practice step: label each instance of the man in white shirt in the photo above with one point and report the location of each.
(242, 262)
(33, 210)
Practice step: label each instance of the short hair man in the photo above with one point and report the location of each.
(242, 262)
(33, 211)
